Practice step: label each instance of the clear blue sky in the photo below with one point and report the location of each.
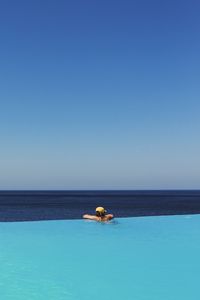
(99, 94)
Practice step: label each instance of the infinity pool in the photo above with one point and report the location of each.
(146, 258)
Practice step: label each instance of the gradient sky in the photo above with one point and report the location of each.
(99, 94)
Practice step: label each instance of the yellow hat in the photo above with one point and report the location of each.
(101, 210)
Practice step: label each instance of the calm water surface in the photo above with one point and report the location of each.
(54, 205)
(146, 258)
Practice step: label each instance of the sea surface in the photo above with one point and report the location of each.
(55, 205)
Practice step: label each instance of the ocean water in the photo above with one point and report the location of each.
(52, 205)
(145, 258)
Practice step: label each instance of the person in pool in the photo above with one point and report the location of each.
(100, 216)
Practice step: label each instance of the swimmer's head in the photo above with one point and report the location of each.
(100, 211)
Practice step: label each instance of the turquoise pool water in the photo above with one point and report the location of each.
(146, 258)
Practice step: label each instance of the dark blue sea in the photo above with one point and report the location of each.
(54, 205)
